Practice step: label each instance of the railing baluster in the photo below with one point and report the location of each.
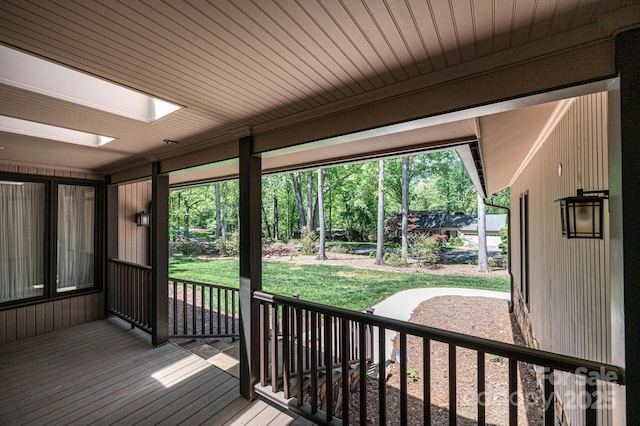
(233, 311)
(363, 375)
(194, 317)
(314, 361)
(426, 381)
(382, 377)
(202, 310)
(219, 310)
(481, 389)
(403, 378)
(175, 306)
(299, 367)
(210, 310)
(274, 347)
(285, 351)
(264, 343)
(328, 360)
(345, 371)
(549, 404)
(185, 307)
(453, 386)
(226, 311)
(513, 391)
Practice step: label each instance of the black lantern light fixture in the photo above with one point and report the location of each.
(582, 216)
(143, 219)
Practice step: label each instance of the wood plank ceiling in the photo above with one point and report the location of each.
(237, 63)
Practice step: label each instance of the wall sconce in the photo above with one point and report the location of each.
(582, 216)
(143, 219)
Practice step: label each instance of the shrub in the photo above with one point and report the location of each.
(279, 249)
(340, 248)
(424, 249)
(230, 245)
(440, 239)
(308, 241)
(456, 242)
(504, 239)
(191, 248)
(394, 258)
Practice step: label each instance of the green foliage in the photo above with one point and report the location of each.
(456, 242)
(394, 258)
(191, 248)
(424, 249)
(340, 248)
(230, 246)
(344, 287)
(308, 241)
(504, 240)
(413, 374)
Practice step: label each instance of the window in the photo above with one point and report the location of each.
(22, 230)
(49, 230)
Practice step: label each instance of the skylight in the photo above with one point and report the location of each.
(37, 75)
(39, 130)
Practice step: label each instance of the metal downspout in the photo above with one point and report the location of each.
(511, 303)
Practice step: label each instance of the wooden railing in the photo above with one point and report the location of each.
(199, 309)
(303, 358)
(130, 293)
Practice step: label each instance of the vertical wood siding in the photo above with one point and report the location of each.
(44, 317)
(133, 240)
(569, 279)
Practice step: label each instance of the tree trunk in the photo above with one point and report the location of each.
(483, 263)
(275, 217)
(310, 216)
(218, 224)
(405, 206)
(297, 191)
(380, 245)
(321, 247)
(266, 221)
(223, 231)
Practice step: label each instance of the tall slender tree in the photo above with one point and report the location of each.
(321, 247)
(223, 230)
(218, 224)
(297, 191)
(310, 221)
(405, 206)
(380, 239)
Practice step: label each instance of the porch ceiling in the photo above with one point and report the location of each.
(243, 66)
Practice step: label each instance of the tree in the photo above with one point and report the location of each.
(321, 254)
(380, 240)
(218, 224)
(297, 191)
(405, 205)
(483, 263)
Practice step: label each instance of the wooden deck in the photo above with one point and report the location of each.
(105, 373)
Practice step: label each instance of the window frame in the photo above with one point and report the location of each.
(50, 239)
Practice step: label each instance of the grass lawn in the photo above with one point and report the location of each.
(345, 287)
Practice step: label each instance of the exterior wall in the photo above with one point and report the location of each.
(133, 240)
(26, 321)
(569, 310)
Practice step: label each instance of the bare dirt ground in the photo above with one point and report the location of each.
(476, 316)
(365, 262)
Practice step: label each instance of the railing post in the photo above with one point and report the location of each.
(250, 264)
(112, 243)
(159, 256)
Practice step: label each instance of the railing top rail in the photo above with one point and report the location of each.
(133, 265)
(223, 287)
(607, 372)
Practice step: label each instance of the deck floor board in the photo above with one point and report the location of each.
(103, 373)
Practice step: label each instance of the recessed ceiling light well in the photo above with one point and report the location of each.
(46, 131)
(47, 78)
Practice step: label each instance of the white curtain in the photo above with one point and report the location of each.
(76, 220)
(21, 240)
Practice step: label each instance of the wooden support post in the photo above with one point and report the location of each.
(112, 242)
(250, 265)
(159, 256)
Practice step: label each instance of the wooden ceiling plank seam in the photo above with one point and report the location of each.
(333, 48)
(543, 16)
(426, 65)
(562, 16)
(445, 52)
(361, 14)
(263, 91)
(348, 26)
(465, 29)
(390, 30)
(337, 40)
(181, 70)
(301, 37)
(503, 16)
(483, 18)
(372, 75)
(586, 13)
(260, 35)
(251, 63)
(523, 12)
